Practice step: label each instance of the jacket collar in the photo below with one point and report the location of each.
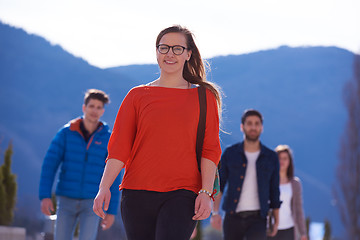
(263, 148)
(75, 125)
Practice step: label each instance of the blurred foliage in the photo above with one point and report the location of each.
(8, 187)
(347, 191)
(327, 233)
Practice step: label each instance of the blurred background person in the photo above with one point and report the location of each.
(79, 149)
(249, 181)
(291, 214)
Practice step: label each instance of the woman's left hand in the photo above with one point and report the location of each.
(274, 230)
(202, 207)
(108, 221)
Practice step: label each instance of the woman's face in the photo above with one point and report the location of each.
(284, 161)
(170, 62)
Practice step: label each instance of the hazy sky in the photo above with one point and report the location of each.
(109, 33)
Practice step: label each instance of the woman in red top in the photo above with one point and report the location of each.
(154, 138)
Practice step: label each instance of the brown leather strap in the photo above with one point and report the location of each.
(201, 125)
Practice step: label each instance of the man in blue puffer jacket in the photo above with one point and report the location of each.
(80, 150)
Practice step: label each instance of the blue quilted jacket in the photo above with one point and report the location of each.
(81, 164)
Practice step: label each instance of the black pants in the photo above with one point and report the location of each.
(285, 234)
(158, 215)
(247, 224)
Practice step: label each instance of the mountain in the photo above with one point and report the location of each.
(298, 90)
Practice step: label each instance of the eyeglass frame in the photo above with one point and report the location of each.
(172, 49)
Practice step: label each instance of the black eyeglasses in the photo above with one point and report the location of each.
(164, 49)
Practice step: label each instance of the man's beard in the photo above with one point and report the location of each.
(252, 139)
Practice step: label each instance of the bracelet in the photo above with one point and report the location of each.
(215, 213)
(205, 191)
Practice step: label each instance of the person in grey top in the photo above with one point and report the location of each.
(291, 214)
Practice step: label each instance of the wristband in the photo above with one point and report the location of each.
(205, 191)
(215, 213)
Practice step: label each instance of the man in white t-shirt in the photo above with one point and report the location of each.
(249, 181)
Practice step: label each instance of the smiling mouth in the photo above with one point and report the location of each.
(169, 62)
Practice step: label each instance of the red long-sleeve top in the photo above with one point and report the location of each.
(155, 136)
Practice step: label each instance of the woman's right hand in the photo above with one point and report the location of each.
(102, 198)
(216, 221)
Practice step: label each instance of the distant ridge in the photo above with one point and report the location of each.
(298, 90)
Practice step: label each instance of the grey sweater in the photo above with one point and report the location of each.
(297, 208)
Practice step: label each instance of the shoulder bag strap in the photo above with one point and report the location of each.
(201, 125)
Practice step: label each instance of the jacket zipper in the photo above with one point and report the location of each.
(86, 159)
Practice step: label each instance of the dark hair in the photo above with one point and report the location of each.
(286, 149)
(194, 69)
(96, 94)
(251, 112)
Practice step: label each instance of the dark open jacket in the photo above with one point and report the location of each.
(232, 175)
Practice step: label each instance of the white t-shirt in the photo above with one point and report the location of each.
(285, 216)
(249, 197)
